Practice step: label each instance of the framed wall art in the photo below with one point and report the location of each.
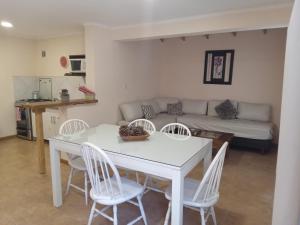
(218, 67)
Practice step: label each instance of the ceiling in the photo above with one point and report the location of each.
(50, 18)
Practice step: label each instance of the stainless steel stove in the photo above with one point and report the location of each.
(23, 117)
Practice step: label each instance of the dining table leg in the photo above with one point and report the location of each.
(177, 199)
(56, 175)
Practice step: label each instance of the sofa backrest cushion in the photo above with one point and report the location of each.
(164, 101)
(154, 104)
(132, 111)
(194, 106)
(212, 104)
(254, 111)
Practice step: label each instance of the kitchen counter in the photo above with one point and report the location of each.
(38, 108)
(53, 104)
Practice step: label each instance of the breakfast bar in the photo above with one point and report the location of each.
(38, 108)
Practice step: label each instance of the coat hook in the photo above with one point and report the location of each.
(206, 36)
(265, 31)
(162, 40)
(183, 38)
(234, 34)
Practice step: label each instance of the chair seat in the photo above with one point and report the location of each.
(77, 163)
(131, 189)
(190, 188)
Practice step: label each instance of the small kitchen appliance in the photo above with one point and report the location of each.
(77, 64)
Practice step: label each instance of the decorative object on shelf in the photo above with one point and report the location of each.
(89, 95)
(133, 133)
(64, 95)
(63, 62)
(218, 67)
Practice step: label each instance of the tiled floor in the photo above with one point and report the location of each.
(25, 196)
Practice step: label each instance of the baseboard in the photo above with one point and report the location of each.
(7, 137)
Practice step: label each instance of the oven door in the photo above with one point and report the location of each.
(24, 126)
(25, 134)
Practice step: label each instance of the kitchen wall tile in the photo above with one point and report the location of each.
(25, 85)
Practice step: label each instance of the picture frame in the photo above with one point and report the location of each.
(218, 67)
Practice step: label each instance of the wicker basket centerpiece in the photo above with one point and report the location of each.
(133, 133)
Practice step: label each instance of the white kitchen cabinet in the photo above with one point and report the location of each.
(51, 123)
(52, 119)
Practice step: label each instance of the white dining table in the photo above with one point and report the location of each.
(163, 155)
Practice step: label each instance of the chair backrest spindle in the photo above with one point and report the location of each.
(176, 128)
(209, 185)
(73, 126)
(146, 124)
(98, 163)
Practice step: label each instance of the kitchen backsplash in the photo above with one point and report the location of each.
(25, 85)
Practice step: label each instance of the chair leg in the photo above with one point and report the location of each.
(92, 214)
(146, 181)
(151, 181)
(86, 187)
(115, 209)
(137, 177)
(142, 209)
(168, 214)
(202, 213)
(213, 214)
(69, 180)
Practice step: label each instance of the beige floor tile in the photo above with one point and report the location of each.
(26, 199)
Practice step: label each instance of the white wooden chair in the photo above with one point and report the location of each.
(202, 197)
(69, 128)
(108, 188)
(146, 124)
(174, 130)
(149, 127)
(177, 130)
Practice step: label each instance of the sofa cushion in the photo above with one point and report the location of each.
(194, 106)
(212, 104)
(154, 105)
(240, 128)
(174, 109)
(226, 110)
(253, 111)
(148, 112)
(163, 119)
(132, 111)
(163, 102)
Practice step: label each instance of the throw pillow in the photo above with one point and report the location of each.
(148, 112)
(226, 110)
(174, 109)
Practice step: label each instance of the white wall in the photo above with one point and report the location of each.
(22, 57)
(286, 209)
(257, 74)
(55, 48)
(238, 20)
(17, 57)
(118, 72)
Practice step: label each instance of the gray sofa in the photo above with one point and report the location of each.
(252, 126)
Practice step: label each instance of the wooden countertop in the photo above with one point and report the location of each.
(53, 104)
